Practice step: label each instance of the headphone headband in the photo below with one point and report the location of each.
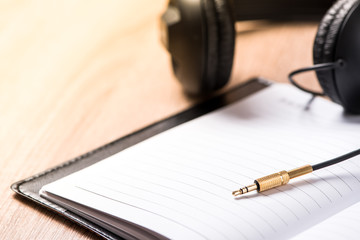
(280, 9)
(200, 35)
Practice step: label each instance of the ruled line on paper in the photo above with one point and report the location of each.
(173, 199)
(170, 190)
(120, 173)
(344, 225)
(168, 159)
(187, 174)
(173, 146)
(215, 184)
(145, 210)
(209, 214)
(200, 189)
(163, 204)
(247, 168)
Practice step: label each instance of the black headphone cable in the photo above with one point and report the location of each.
(283, 177)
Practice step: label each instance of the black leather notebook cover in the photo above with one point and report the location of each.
(29, 187)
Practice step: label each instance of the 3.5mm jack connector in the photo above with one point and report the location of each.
(274, 180)
(283, 177)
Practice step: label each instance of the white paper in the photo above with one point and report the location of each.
(179, 182)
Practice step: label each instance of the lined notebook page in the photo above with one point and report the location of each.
(344, 225)
(179, 182)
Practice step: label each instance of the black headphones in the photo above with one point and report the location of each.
(200, 36)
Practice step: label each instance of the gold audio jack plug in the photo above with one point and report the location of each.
(283, 177)
(274, 180)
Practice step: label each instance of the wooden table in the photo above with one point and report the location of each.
(75, 75)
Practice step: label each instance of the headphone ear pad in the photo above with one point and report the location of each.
(200, 36)
(325, 45)
(220, 40)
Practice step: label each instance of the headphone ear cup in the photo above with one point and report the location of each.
(200, 36)
(220, 40)
(325, 45)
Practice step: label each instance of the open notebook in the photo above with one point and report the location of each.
(178, 184)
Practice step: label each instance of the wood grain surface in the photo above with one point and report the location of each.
(75, 75)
